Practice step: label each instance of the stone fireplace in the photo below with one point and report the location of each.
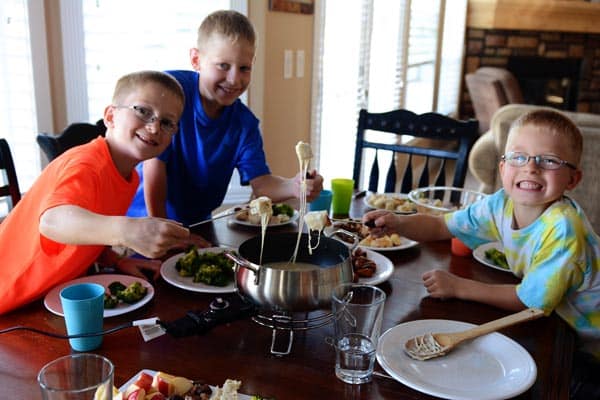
(558, 69)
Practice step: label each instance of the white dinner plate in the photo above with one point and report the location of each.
(246, 223)
(170, 274)
(368, 197)
(490, 367)
(52, 299)
(385, 268)
(406, 243)
(151, 372)
(479, 254)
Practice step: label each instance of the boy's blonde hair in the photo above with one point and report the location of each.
(555, 123)
(229, 24)
(133, 81)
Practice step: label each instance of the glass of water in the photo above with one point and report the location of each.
(358, 312)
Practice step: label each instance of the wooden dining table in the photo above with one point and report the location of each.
(241, 349)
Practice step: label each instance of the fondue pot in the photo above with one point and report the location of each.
(279, 284)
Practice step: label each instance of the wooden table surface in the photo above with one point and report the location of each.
(241, 349)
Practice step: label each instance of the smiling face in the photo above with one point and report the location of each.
(532, 188)
(130, 138)
(225, 68)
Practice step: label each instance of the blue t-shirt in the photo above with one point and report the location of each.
(203, 154)
(557, 256)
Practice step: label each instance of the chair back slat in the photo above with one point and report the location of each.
(424, 179)
(374, 175)
(408, 176)
(440, 180)
(7, 168)
(390, 180)
(447, 139)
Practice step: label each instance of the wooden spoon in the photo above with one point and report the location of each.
(432, 345)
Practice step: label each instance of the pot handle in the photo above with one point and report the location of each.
(345, 232)
(242, 262)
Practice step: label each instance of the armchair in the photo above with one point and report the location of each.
(485, 155)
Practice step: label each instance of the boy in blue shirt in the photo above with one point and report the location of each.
(217, 133)
(547, 239)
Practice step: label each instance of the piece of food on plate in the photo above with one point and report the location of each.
(163, 386)
(281, 213)
(229, 390)
(211, 268)
(118, 292)
(356, 227)
(392, 240)
(362, 266)
(391, 202)
(497, 257)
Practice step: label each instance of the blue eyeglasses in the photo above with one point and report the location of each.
(517, 159)
(147, 115)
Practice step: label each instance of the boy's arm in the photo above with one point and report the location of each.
(155, 187)
(278, 188)
(151, 237)
(443, 284)
(419, 227)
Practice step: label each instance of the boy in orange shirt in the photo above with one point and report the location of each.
(75, 210)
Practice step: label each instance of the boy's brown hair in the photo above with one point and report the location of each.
(229, 24)
(130, 82)
(556, 123)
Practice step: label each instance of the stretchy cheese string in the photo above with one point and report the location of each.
(304, 153)
(424, 347)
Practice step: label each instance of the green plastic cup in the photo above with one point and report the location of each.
(342, 196)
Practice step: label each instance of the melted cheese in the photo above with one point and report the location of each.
(315, 221)
(424, 347)
(262, 206)
(304, 153)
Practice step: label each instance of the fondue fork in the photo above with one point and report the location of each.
(222, 214)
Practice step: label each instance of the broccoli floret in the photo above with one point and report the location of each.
(110, 301)
(213, 274)
(282, 208)
(189, 263)
(497, 257)
(133, 293)
(116, 287)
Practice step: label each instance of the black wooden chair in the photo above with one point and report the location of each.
(448, 139)
(10, 184)
(74, 135)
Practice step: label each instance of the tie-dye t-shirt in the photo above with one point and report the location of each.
(557, 257)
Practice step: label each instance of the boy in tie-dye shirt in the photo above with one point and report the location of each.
(547, 239)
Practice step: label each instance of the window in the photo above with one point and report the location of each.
(381, 55)
(17, 100)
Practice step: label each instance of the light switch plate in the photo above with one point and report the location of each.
(288, 64)
(299, 63)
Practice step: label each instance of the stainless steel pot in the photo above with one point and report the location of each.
(291, 289)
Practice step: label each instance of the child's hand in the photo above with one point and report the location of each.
(314, 185)
(381, 223)
(153, 237)
(135, 266)
(441, 284)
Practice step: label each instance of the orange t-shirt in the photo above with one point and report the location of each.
(31, 264)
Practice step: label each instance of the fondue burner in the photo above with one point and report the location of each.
(282, 321)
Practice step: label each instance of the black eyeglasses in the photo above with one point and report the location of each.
(517, 159)
(147, 115)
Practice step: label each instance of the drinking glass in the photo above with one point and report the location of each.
(341, 189)
(78, 376)
(358, 314)
(83, 308)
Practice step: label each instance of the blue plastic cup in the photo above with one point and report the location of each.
(322, 202)
(83, 308)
